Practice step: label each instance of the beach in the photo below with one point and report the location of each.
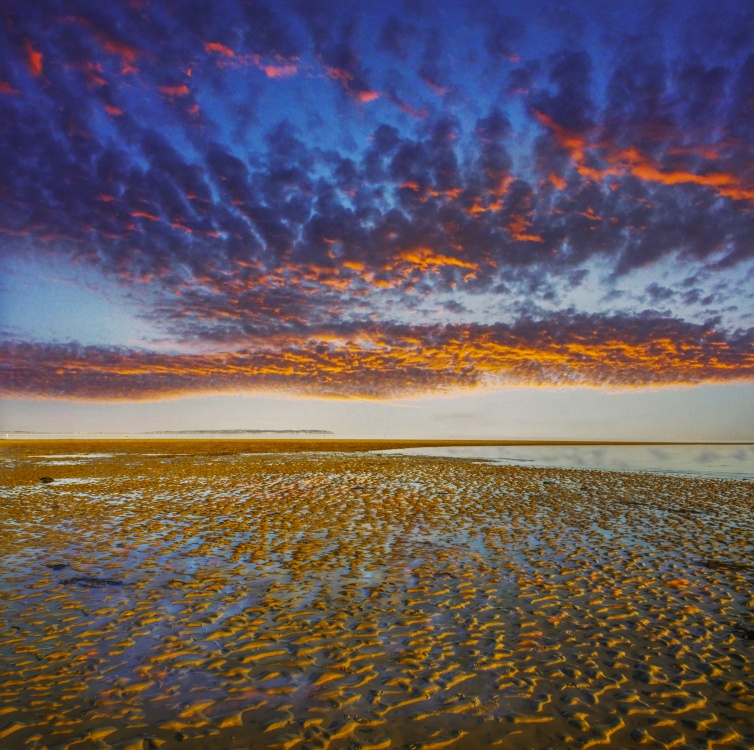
(314, 594)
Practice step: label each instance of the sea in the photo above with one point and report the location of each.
(731, 461)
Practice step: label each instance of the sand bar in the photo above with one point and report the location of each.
(264, 594)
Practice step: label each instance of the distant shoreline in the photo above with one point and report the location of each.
(235, 432)
(305, 440)
(180, 432)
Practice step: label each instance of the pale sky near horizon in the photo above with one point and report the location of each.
(543, 212)
(703, 413)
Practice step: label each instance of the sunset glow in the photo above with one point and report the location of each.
(374, 200)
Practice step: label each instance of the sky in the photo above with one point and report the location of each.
(405, 218)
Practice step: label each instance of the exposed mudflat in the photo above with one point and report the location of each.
(206, 596)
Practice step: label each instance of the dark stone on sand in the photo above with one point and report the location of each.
(90, 582)
(46, 480)
(722, 565)
(747, 633)
(56, 566)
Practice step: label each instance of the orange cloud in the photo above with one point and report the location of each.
(424, 259)
(386, 362)
(145, 215)
(92, 71)
(278, 67)
(518, 227)
(33, 59)
(346, 77)
(112, 46)
(280, 71)
(339, 74)
(557, 181)
(220, 49)
(357, 277)
(366, 96)
(408, 109)
(630, 161)
(436, 88)
(127, 54)
(180, 90)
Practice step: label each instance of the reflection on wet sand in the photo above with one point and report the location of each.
(338, 600)
(733, 461)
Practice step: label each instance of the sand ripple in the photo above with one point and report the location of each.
(346, 600)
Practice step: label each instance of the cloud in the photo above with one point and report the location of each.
(247, 169)
(342, 64)
(434, 71)
(34, 59)
(500, 41)
(387, 361)
(397, 37)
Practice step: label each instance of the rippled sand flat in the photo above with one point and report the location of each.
(215, 596)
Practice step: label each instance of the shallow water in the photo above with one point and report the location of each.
(725, 461)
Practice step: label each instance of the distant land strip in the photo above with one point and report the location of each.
(237, 432)
(180, 432)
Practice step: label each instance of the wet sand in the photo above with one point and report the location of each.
(254, 594)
